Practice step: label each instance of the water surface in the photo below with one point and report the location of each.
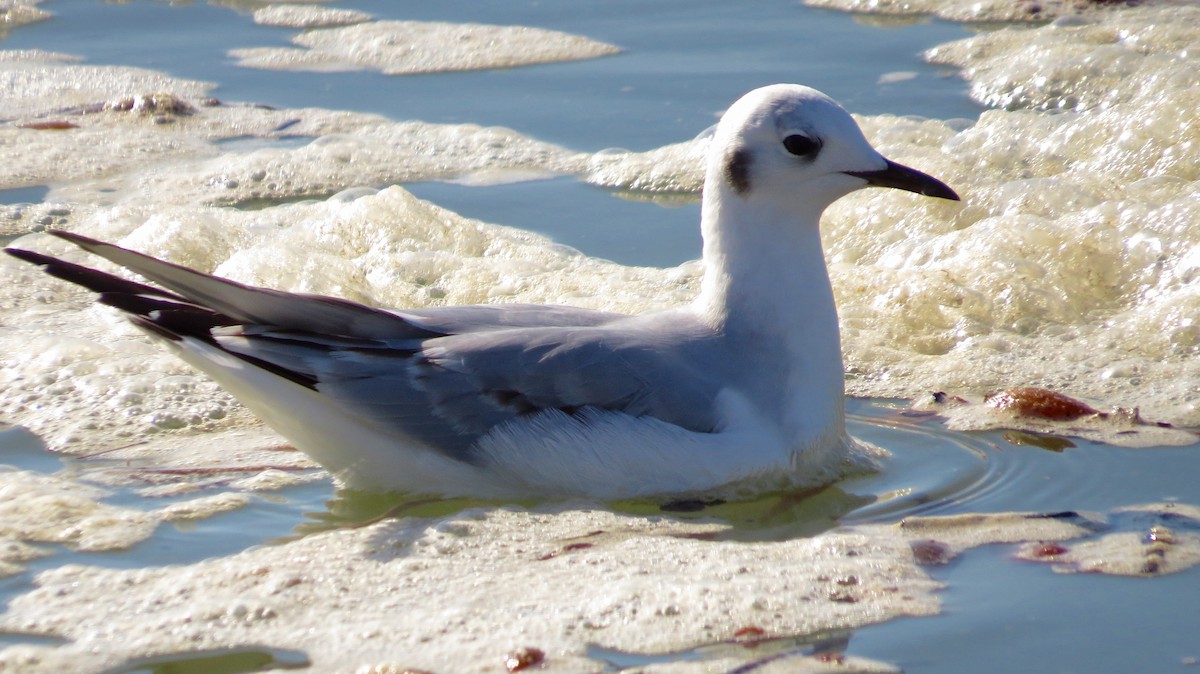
(682, 63)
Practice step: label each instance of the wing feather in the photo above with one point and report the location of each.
(251, 305)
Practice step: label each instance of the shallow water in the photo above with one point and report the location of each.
(672, 80)
(682, 63)
(999, 613)
(671, 83)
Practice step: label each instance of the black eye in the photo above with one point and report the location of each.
(802, 146)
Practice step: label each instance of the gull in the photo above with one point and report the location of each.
(739, 392)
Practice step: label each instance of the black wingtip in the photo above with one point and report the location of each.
(92, 279)
(158, 312)
(30, 256)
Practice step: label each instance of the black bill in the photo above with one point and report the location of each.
(903, 178)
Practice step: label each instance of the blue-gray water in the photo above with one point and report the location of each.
(682, 63)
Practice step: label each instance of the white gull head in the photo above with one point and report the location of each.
(796, 148)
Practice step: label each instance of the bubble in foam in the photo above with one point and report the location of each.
(406, 47)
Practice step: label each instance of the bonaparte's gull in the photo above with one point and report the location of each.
(741, 389)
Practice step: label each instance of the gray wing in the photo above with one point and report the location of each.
(454, 389)
(487, 317)
(621, 367)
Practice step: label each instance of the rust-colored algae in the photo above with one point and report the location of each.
(1030, 401)
(523, 658)
(49, 125)
(1048, 550)
(930, 552)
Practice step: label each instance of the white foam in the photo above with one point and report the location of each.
(413, 587)
(351, 150)
(990, 11)
(307, 16)
(17, 13)
(33, 83)
(203, 507)
(407, 47)
(672, 169)
(1150, 540)
(40, 508)
(1139, 55)
(105, 134)
(1067, 265)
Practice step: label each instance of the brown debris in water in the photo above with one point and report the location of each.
(49, 125)
(160, 103)
(571, 547)
(751, 634)
(831, 657)
(523, 658)
(1043, 550)
(1149, 540)
(1044, 418)
(1030, 401)
(931, 553)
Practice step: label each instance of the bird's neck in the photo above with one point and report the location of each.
(765, 269)
(766, 287)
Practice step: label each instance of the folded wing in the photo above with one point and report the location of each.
(440, 377)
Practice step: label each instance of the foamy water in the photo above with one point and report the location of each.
(410, 47)
(1070, 263)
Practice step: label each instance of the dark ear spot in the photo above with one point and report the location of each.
(737, 170)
